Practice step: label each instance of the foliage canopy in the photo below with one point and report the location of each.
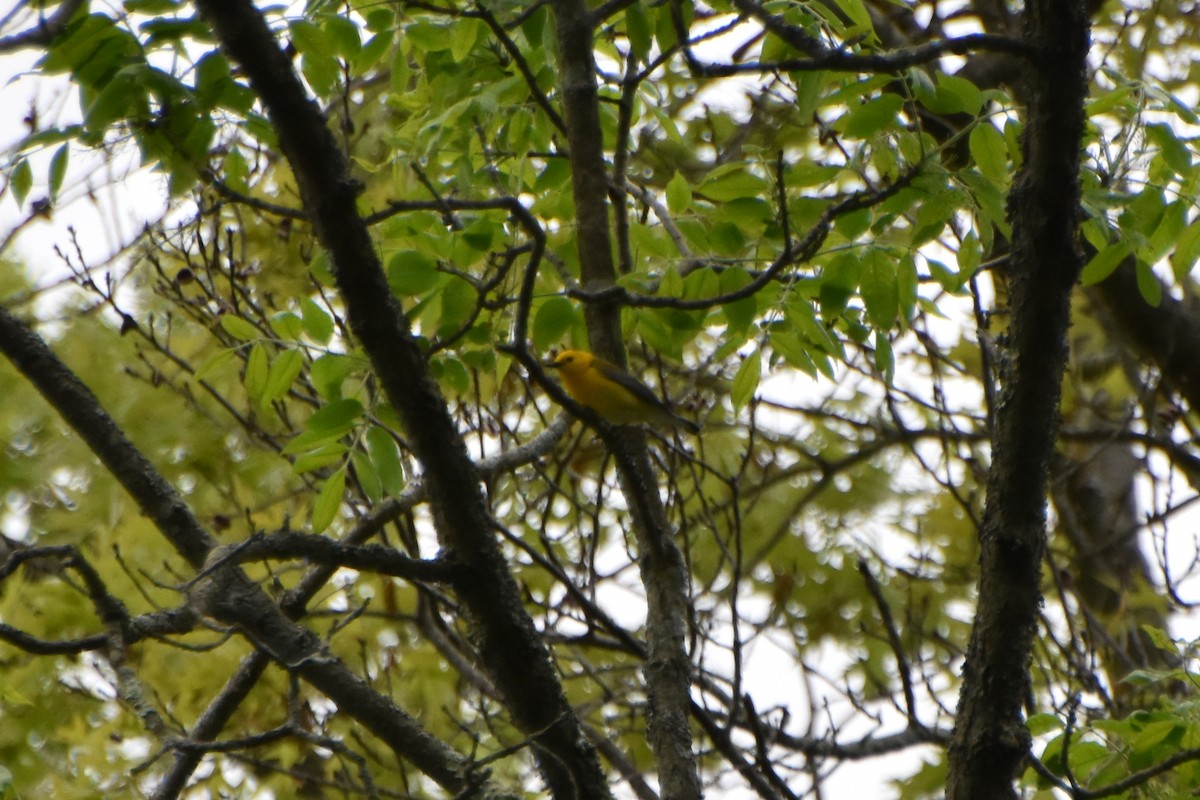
(399, 565)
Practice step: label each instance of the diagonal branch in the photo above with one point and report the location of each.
(508, 642)
(46, 30)
(227, 594)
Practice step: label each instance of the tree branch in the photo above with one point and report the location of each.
(45, 32)
(668, 668)
(892, 61)
(227, 594)
(508, 642)
(376, 558)
(990, 738)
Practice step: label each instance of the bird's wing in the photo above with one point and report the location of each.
(635, 387)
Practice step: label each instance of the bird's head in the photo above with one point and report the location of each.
(571, 361)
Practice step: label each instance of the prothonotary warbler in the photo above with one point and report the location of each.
(614, 394)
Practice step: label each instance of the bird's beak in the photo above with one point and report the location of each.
(550, 364)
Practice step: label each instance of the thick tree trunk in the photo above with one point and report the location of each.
(990, 740)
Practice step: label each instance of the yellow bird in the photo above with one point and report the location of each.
(614, 394)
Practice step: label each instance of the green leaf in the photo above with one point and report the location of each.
(990, 202)
(732, 185)
(871, 117)
(751, 214)
(380, 19)
(553, 177)
(932, 218)
(464, 33)
(216, 364)
(989, 152)
(1161, 639)
(368, 478)
(665, 27)
(1087, 755)
(58, 169)
(411, 272)
(802, 316)
(385, 455)
(1052, 755)
(93, 47)
(856, 10)
(334, 419)
(1142, 215)
(745, 382)
(969, 256)
(839, 279)
(794, 351)
(287, 326)
(775, 49)
(240, 328)
(427, 36)
(1041, 724)
(637, 28)
(885, 359)
(950, 280)
(1012, 140)
(1175, 152)
(957, 95)
(700, 283)
(21, 181)
(213, 79)
(319, 457)
(679, 194)
(1166, 233)
(376, 50)
(151, 6)
(115, 100)
(553, 318)
(1107, 101)
(173, 31)
(809, 87)
(739, 314)
(317, 324)
(1104, 262)
(328, 424)
(255, 378)
(1187, 250)
(458, 301)
(401, 72)
(309, 38)
(321, 72)
(321, 269)
(1154, 734)
(1169, 101)
(479, 235)
(853, 224)
(907, 285)
(344, 35)
(283, 373)
(329, 372)
(328, 501)
(727, 239)
(235, 170)
(452, 374)
(880, 289)
(1148, 284)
